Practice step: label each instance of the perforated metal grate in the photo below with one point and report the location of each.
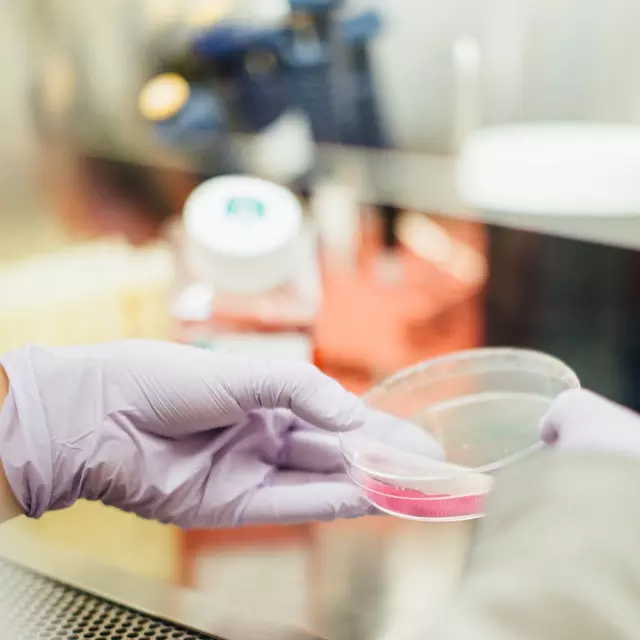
(33, 607)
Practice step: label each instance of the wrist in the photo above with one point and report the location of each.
(9, 507)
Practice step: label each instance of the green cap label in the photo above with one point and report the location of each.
(247, 208)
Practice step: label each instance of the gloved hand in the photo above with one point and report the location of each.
(179, 434)
(581, 421)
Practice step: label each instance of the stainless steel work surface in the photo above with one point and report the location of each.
(33, 606)
(368, 579)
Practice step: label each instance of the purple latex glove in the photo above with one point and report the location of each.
(177, 434)
(581, 421)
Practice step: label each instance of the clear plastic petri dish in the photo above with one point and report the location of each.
(444, 427)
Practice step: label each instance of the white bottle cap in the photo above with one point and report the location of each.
(242, 232)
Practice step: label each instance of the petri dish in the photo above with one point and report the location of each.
(442, 429)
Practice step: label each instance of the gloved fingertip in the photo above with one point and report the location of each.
(403, 435)
(333, 408)
(549, 429)
(312, 396)
(548, 433)
(358, 507)
(353, 413)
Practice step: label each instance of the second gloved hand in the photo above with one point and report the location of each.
(581, 421)
(177, 434)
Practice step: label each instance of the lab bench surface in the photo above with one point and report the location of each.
(373, 578)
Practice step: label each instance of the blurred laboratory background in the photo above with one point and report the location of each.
(414, 178)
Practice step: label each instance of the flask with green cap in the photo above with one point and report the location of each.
(253, 277)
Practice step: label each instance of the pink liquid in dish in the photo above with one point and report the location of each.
(416, 504)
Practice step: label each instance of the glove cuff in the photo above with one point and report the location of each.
(25, 444)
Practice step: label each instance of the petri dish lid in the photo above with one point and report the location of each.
(445, 425)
